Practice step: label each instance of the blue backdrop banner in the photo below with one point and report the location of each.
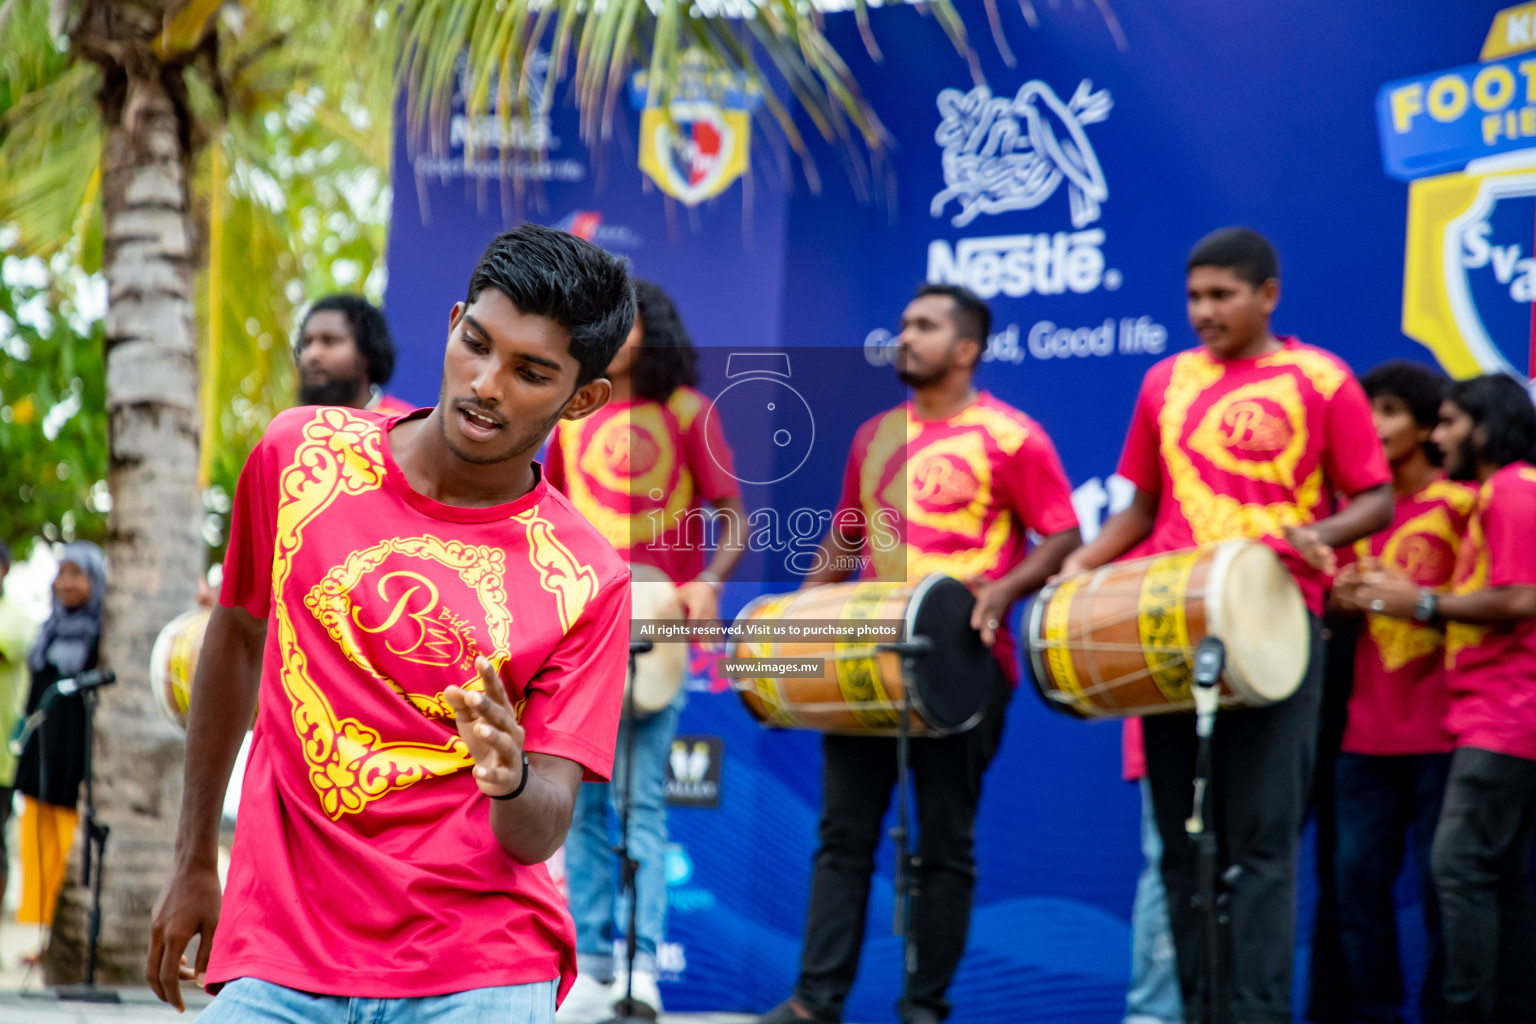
(1067, 190)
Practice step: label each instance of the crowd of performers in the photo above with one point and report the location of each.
(437, 626)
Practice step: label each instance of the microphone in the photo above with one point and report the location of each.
(640, 647)
(95, 679)
(917, 646)
(1210, 659)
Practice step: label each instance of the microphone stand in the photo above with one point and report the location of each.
(93, 859)
(906, 862)
(1211, 998)
(626, 1010)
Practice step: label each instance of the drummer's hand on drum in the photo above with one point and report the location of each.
(1311, 547)
(1076, 562)
(1346, 588)
(991, 609)
(699, 600)
(1388, 593)
(489, 727)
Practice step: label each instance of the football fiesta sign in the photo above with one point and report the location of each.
(696, 145)
(1465, 140)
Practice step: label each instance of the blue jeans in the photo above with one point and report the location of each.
(1386, 806)
(601, 917)
(252, 1001)
(1154, 990)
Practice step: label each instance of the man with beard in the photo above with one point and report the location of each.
(976, 474)
(1482, 848)
(439, 641)
(345, 356)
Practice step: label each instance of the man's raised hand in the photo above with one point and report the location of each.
(489, 728)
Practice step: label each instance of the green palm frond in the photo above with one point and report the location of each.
(478, 51)
(290, 185)
(50, 150)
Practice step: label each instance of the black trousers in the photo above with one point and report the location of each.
(858, 775)
(1481, 863)
(1261, 781)
(1328, 989)
(1382, 803)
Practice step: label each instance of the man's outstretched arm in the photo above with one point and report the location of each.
(223, 701)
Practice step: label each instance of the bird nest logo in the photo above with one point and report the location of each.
(1002, 154)
(1465, 141)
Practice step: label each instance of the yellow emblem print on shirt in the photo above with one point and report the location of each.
(1424, 550)
(1256, 431)
(945, 485)
(572, 583)
(1214, 517)
(350, 764)
(1461, 635)
(631, 455)
(420, 627)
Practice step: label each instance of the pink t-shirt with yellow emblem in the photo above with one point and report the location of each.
(954, 496)
(1399, 699)
(1493, 669)
(389, 405)
(641, 471)
(364, 862)
(1239, 449)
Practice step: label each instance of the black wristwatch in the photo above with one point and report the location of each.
(1427, 608)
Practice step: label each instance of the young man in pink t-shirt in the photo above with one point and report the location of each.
(438, 640)
(1389, 777)
(1482, 850)
(1248, 436)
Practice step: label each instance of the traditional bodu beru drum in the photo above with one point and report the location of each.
(173, 663)
(1119, 641)
(861, 688)
(659, 673)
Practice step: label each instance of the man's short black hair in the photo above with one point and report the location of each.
(1497, 403)
(970, 314)
(1243, 251)
(551, 273)
(666, 360)
(1421, 388)
(369, 329)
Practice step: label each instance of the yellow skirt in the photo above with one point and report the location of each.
(46, 833)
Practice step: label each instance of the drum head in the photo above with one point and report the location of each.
(1263, 622)
(659, 674)
(954, 678)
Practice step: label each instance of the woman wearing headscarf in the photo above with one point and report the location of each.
(53, 760)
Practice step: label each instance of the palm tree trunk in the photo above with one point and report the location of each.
(154, 548)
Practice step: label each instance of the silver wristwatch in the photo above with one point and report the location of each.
(1427, 608)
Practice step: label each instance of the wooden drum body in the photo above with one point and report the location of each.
(861, 688)
(1119, 641)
